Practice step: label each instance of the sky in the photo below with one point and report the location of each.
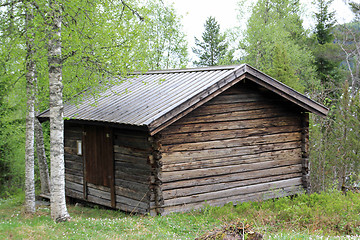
(195, 13)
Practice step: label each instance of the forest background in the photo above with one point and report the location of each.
(103, 39)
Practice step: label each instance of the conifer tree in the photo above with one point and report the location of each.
(326, 52)
(213, 47)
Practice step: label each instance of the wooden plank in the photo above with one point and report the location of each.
(73, 193)
(233, 116)
(207, 172)
(130, 158)
(99, 187)
(168, 139)
(238, 142)
(131, 151)
(132, 142)
(133, 176)
(178, 157)
(131, 202)
(142, 166)
(139, 187)
(131, 209)
(99, 193)
(259, 196)
(130, 193)
(237, 98)
(74, 178)
(73, 157)
(235, 160)
(98, 200)
(75, 186)
(207, 109)
(74, 172)
(243, 124)
(233, 192)
(266, 176)
(76, 166)
(232, 177)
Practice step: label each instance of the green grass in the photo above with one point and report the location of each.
(332, 215)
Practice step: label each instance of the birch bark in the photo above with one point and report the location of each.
(58, 204)
(30, 114)
(43, 166)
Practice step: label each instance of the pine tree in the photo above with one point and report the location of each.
(213, 47)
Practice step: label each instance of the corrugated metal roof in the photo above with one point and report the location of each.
(150, 96)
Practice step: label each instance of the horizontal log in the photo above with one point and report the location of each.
(130, 193)
(178, 157)
(73, 193)
(236, 160)
(232, 177)
(98, 200)
(168, 139)
(233, 116)
(77, 166)
(70, 143)
(131, 151)
(131, 209)
(130, 158)
(74, 178)
(232, 107)
(237, 98)
(132, 176)
(199, 173)
(70, 150)
(231, 125)
(74, 186)
(73, 133)
(99, 187)
(259, 196)
(238, 142)
(238, 191)
(134, 165)
(99, 193)
(135, 186)
(73, 157)
(131, 202)
(74, 172)
(132, 142)
(265, 176)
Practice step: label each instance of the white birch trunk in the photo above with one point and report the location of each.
(58, 203)
(30, 117)
(43, 166)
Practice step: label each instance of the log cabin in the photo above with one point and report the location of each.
(171, 141)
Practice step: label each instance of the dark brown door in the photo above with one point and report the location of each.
(99, 163)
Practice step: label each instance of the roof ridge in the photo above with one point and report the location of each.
(197, 69)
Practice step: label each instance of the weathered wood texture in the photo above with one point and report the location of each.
(74, 166)
(245, 144)
(132, 171)
(132, 153)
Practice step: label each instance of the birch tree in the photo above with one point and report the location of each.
(58, 203)
(30, 113)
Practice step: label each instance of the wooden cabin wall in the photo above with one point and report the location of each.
(131, 165)
(245, 144)
(132, 170)
(74, 165)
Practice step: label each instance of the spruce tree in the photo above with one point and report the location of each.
(213, 47)
(326, 64)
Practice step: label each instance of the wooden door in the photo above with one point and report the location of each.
(99, 161)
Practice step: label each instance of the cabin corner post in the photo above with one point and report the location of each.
(305, 151)
(155, 178)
